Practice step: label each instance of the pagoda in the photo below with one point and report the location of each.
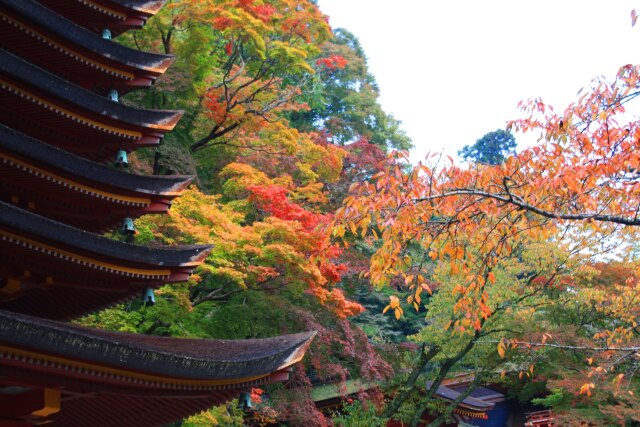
(62, 130)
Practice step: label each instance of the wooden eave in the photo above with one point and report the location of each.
(150, 7)
(56, 271)
(117, 15)
(66, 241)
(469, 403)
(44, 106)
(68, 50)
(60, 91)
(76, 191)
(93, 367)
(165, 363)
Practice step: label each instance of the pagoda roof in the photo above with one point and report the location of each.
(49, 84)
(55, 43)
(22, 221)
(60, 272)
(150, 7)
(54, 158)
(61, 113)
(105, 378)
(211, 361)
(76, 191)
(481, 399)
(117, 15)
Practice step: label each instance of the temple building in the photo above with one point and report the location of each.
(62, 130)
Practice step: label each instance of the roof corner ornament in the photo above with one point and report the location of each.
(106, 34)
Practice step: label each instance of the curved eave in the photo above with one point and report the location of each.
(51, 232)
(56, 160)
(148, 7)
(74, 36)
(117, 15)
(54, 87)
(198, 362)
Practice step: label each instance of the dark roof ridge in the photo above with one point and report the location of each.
(59, 159)
(187, 358)
(50, 231)
(68, 30)
(53, 85)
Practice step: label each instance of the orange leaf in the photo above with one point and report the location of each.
(501, 349)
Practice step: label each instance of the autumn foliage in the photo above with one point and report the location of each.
(500, 267)
(578, 186)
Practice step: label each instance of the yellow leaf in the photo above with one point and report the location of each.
(586, 388)
(426, 288)
(501, 349)
(394, 302)
(353, 228)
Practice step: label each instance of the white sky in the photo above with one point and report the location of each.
(455, 70)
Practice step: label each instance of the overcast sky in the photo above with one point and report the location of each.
(455, 70)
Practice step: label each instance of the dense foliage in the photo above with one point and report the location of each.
(407, 273)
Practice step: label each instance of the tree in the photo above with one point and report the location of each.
(491, 149)
(241, 64)
(263, 65)
(344, 103)
(578, 187)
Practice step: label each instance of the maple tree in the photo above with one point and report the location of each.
(266, 59)
(579, 184)
(240, 65)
